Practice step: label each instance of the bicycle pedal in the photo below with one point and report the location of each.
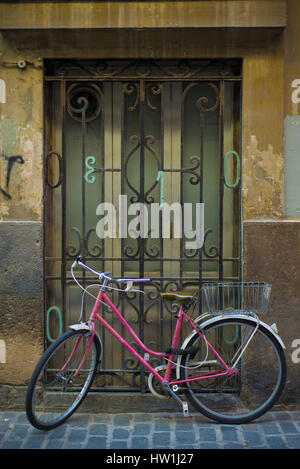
(185, 409)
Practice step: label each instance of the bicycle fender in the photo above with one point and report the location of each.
(234, 316)
(80, 327)
(216, 319)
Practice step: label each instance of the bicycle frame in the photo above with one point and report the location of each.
(102, 297)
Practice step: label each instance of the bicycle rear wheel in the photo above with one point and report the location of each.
(54, 393)
(260, 378)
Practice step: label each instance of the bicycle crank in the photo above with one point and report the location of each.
(183, 404)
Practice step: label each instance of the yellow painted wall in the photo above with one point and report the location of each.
(256, 33)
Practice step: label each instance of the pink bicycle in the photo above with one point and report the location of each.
(231, 367)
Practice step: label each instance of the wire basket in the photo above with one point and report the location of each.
(243, 297)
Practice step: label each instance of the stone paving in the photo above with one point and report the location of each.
(275, 430)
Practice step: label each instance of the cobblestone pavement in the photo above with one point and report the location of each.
(275, 430)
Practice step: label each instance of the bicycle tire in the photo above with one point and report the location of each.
(256, 387)
(52, 396)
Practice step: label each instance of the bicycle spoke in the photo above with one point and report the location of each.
(259, 378)
(53, 393)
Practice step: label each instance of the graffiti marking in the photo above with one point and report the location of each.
(11, 161)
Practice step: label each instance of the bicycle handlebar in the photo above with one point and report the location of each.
(102, 275)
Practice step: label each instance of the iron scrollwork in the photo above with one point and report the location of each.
(84, 102)
(183, 69)
(83, 248)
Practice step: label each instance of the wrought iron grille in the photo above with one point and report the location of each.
(115, 128)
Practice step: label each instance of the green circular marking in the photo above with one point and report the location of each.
(238, 169)
(58, 311)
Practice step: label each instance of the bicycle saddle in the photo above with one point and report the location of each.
(183, 297)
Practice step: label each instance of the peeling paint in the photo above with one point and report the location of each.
(28, 104)
(21, 131)
(2, 91)
(31, 190)
(262, 189)
(291, 167)
(8, 135)
(26, 179)
(2, 351)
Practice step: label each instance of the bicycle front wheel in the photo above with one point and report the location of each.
(56, 388)
(260, 371)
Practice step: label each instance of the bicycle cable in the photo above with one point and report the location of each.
(93, 296)
(85, 289)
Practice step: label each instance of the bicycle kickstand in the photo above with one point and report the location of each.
(183, 404)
